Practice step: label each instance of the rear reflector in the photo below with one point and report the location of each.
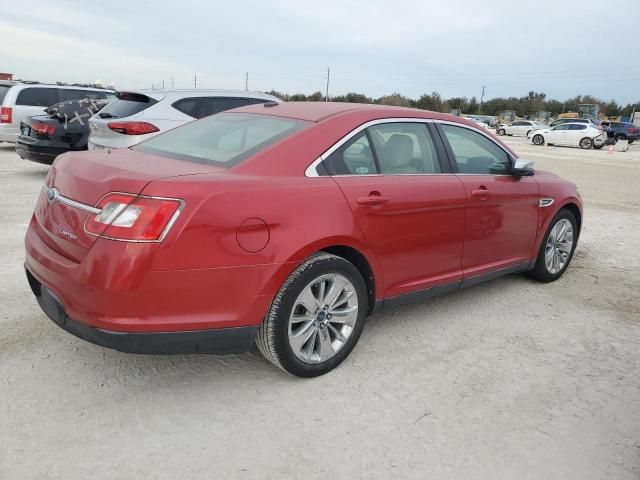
(133, 128)
(5, 114)
(133, 218)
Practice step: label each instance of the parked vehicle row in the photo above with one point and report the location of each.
(182, 244)
(20, 100)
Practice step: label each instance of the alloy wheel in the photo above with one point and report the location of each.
(323, 318)
(558, 247)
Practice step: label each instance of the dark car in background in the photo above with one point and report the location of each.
(64, 127)
(621, 131)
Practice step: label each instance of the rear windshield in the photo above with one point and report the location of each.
(3, 91)
(225, 139)
(126, 105)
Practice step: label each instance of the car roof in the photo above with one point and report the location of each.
(53, 85)
(319, 111)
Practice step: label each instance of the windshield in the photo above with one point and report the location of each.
(224, 139)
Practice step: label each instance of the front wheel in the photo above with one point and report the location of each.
(586, 143)
(501, 132)
(316, 317)
(557, 247)
(538, 139)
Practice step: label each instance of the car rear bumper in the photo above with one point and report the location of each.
(219, 341)
(38, 154)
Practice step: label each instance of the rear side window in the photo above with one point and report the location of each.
(67, 94)
(223, 140)
(126, 105)
(3, 91)
(213, 105)
(38, 97)
(474, 153)
(188, 106)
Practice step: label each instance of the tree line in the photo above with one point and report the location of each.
(525, 106)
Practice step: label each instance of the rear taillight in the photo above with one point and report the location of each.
(133, 218)
(5, 114)
(132, 128)
(43, 129)
(632, 130)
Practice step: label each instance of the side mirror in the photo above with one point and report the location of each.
(523, 168)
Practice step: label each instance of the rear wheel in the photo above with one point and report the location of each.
(586, 143)
(538, 139)
(557, 247)
(316, 317)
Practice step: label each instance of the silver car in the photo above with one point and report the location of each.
(19, 100)
(138, 115)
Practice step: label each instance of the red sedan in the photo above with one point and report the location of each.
(286, 225)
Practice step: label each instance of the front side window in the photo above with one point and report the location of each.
(404, 148)
(474, 153)
(223, 140)
(577, 127)
(38, 97)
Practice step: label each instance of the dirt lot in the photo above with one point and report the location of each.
(508, 380)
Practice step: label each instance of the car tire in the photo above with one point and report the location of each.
(295, 338)
(501, 132)
(538, 139)
(586, 143)
(546, 269)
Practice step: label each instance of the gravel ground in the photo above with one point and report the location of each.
(511, 379)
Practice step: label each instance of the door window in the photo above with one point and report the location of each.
(563, 126)
(213, 105)
(577, 127)
(474, 153)
(38, 97)
(404, 148)
(353, 158)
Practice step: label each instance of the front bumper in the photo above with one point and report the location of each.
(218, 341)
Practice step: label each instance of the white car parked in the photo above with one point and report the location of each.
(519, 127)
(571, 135)
(138, 115)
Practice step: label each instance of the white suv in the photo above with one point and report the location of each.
(19, 100)
(138, 115)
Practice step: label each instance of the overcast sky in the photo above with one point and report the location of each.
(374, 47)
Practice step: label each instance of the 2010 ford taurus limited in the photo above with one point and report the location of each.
(286, 225)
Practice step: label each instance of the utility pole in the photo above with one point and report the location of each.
(172, 83)
(163, 83)
(195, 81)
(246, 81)
(481, 99)
(326, 95)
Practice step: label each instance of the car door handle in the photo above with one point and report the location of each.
(481, 193)
(373, 200)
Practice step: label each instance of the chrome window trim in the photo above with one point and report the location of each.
(311, 171)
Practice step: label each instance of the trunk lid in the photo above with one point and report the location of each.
(85, 177)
